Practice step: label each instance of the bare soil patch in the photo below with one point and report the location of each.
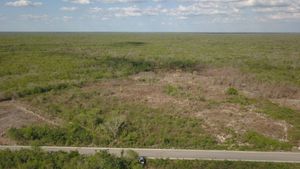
(13, 114)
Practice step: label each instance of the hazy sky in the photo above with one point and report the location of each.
(151, 15)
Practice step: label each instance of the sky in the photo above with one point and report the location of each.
(150, 15)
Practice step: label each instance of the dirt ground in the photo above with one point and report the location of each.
(14, 114)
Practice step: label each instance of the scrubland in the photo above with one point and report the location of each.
(154, 90)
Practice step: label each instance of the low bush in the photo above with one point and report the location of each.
(193, 164)
(232, 91)
(34, 159)
(70, 135)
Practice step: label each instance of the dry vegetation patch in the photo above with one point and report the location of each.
(17, 115)
(240, 120)
(292, 103)
(137, 89)
(251, 85)
(202, 95)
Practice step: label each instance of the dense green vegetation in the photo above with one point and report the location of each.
(34, 159)
(168, 164)
(71, 135)
(32, 63)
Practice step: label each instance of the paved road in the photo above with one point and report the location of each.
(290, 157)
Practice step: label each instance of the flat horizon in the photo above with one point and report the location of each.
(150, 16)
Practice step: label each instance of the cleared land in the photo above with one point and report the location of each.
(201, 91)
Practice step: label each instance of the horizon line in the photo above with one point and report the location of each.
(229, 32)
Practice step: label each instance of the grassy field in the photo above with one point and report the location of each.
(38, 159)
(161, 90)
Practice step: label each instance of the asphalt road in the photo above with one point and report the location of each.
(289, 157)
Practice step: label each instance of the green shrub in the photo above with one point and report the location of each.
(34, 159)
(70, 135)
(232, 91)
(172, 90)
(240, 99)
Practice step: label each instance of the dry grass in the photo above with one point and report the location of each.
(224, 119)
(253, 87)
(202, 95)
(292, 103)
